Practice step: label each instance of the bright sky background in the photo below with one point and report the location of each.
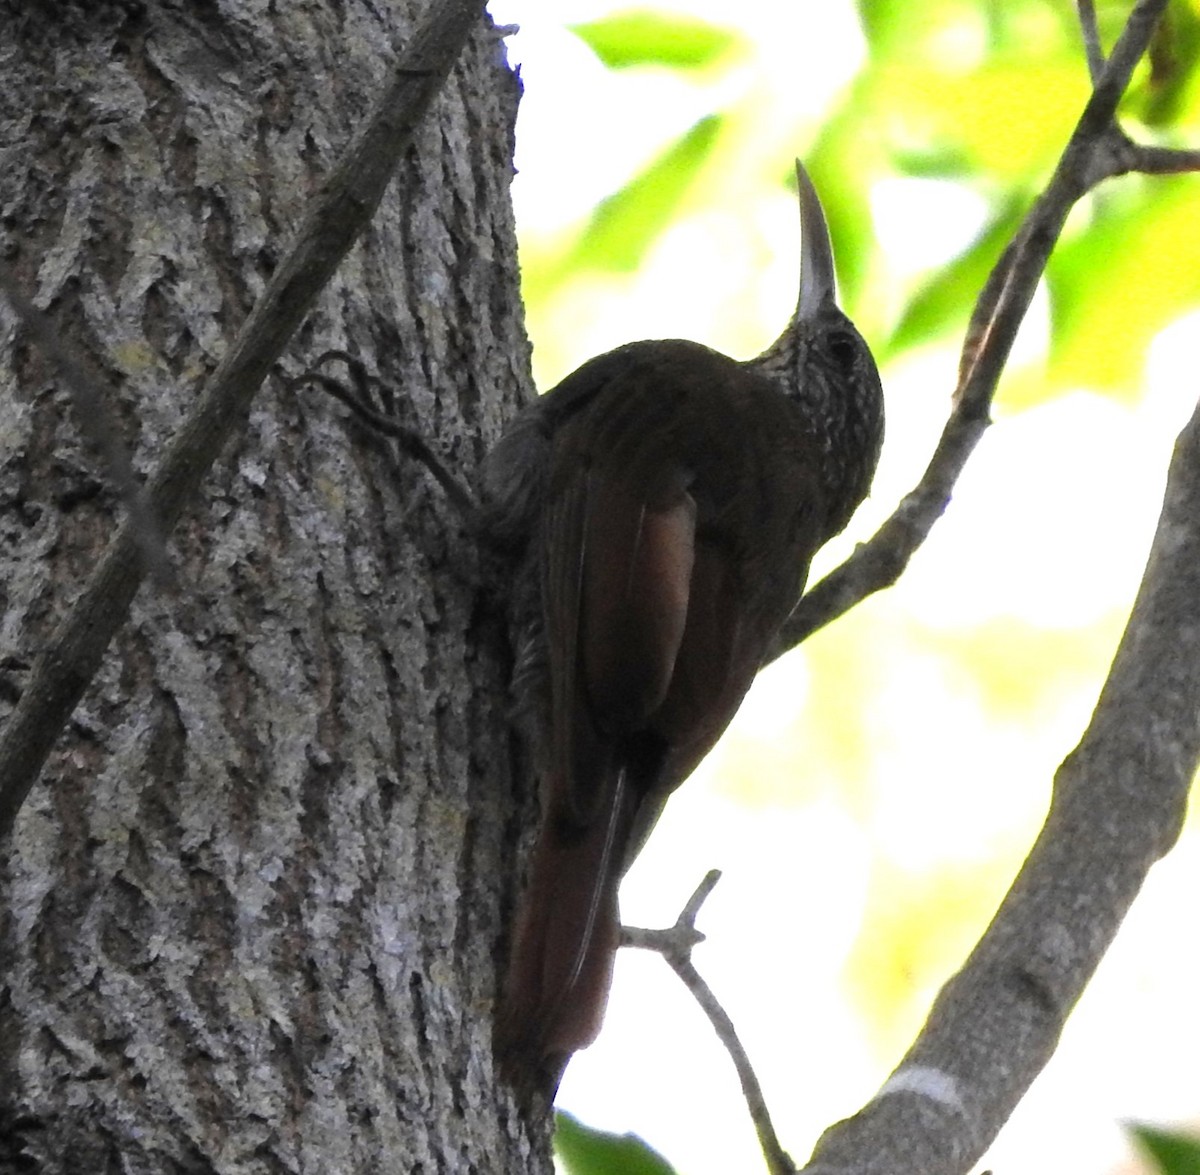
(1047, 535)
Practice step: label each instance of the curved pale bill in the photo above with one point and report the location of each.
(818, 283)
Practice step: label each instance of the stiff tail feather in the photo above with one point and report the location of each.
(566, 940)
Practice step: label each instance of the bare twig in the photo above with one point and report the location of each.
(675, 941)
(95, 421)
(1091, 39)
(410, 441)
(675, 945)
(1164, 160)
(339, 212)
(1090, 156)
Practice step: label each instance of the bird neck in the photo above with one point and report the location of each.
(841, 404)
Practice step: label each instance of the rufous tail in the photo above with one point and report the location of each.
(565, 942)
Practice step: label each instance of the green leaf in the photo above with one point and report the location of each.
(1007, 117)
(1173, 1154)
(841, 163)
(656, 38)
(945, 301)
(934, 161)
(940, 31)
(900, 29)
(1116, 284)
(584, 1151)
(628, 222)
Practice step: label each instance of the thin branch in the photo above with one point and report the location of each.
(1087, 159)
(337, 215)
(1164, 160)
(675, 945)
(95, 421)
(675, 941)
(1091, 39)
(1119, 802)
(411, 442)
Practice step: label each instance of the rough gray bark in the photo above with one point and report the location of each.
(249, 912)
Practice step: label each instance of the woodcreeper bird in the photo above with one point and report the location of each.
(666, 502)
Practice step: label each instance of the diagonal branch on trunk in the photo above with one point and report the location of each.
(339, 212)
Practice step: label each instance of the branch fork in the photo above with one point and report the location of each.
(675, 944)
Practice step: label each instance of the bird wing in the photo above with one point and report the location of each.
(618, 551)
(645, 579)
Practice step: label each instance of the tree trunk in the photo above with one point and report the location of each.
(251, 914)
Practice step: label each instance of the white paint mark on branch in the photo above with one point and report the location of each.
(924, 1081)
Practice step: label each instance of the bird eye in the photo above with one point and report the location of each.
(844, 349)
